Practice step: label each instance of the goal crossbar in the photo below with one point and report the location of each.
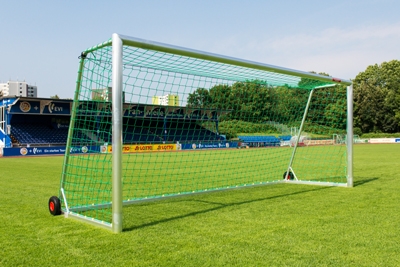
(277, 76)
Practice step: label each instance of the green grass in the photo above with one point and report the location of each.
(152, 175)
(279, 225)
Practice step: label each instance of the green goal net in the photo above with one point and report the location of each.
(151, 120)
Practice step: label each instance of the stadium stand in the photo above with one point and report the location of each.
(38, 130)
(49, 129)
(141, 131)
(38, 134)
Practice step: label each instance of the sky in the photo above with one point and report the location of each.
(41, 40)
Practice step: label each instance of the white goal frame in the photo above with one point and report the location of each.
(117, 41)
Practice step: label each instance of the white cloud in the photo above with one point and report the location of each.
(333, 37)
(340, 52)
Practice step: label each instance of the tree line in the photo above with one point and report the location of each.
(376, 101)
(258, 102)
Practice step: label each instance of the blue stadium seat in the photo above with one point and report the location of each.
(38, 134)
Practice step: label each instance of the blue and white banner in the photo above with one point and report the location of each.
(40, 151)
(41, 107)
(60, 150)
(209, 145)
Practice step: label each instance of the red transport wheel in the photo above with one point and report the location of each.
(54, 206)
(289, 177)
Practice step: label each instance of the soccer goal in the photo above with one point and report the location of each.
(151, 121)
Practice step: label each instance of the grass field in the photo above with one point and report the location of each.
(292, 225)
(156, 175)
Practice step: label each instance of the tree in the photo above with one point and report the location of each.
(308, 83)
(335, 113)
(327, 104)
(252, 100)
(200, 98)
(55, 97)
(255, 101)
(221, 97)
(377, 98)
(288, 104)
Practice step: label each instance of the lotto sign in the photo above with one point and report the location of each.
(145, 148)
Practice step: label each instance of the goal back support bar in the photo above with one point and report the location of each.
(117, 42)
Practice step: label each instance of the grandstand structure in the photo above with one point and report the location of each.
(28, 124)
(39, 126)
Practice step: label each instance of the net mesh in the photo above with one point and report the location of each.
(193, 125)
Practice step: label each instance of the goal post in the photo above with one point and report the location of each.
(117, 115)
(350, 135)
(151, 120)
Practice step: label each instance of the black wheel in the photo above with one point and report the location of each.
(289, 177)
(54, 206)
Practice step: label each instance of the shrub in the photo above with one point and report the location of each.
(357, 131)
(381, 135)
(238, 126)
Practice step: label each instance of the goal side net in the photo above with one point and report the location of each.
(151, 120)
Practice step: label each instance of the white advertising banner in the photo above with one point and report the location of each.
(384, 140)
